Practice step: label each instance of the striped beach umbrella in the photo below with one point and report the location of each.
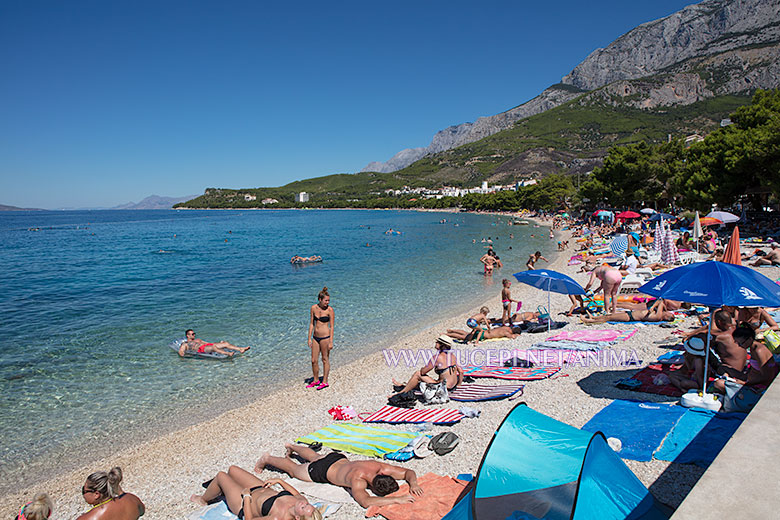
(658, 237)
(619, 245)
(669, 254)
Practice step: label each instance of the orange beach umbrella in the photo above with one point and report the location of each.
(732, 255)
(709, 221)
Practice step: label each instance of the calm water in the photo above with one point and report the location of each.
(90, 300)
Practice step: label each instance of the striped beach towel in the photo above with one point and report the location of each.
(512, 373)
(477, 392)
(359, 438)
(396, 415)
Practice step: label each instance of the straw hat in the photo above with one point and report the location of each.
(695, 345)
(445, 340)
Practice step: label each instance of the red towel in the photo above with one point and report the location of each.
(439, 497)
(396, 415)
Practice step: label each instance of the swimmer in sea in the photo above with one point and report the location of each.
(194, 345)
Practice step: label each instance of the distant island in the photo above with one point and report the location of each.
(3, 207)
(155, 202)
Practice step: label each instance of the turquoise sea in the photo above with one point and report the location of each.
(89, 301)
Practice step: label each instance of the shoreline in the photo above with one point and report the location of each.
(163, 443)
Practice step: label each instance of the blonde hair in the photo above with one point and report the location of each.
(39, 509)
(484, 310)
(106, 484)
(323, 293)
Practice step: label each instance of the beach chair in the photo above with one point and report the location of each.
(630, 284)
(644, 272)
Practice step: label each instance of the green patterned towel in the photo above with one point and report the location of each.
(359, 438)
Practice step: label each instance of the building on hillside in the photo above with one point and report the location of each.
(248, 197)
(302, 197)
(269, 201)
(693, 138)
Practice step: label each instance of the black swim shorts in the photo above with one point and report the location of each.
(318, 470)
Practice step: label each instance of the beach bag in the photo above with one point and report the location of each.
(403, 400)
(772, 341)
(435, 393)
(740, 398)
(443, 443)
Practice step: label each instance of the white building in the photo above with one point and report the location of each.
(248, 197)
(302, 197)
(269, 201)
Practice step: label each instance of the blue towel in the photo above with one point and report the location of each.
(640, 426)
(699, 436)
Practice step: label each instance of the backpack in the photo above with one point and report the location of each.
(435, 393)
(443, 443)
(403, 400)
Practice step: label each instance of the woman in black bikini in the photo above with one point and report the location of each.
(253, 499)
(321, 322)
(445, 365)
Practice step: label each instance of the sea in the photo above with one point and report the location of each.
(91, 300)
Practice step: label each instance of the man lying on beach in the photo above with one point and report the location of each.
(193, 345)
(771, 258)
(356, 476)
(655, 313)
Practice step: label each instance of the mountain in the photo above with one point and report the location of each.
(155, 202)
(3, 207)
(697, 32)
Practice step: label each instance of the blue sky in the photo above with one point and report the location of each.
(109, 102)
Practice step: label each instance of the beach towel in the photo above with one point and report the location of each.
(673, 357)
(573, 345)
(439, 497)
(511, 373)
(395, 415)
(593, 335)
(552, 357)
(220, 511)
(698, 437)
(477, 392)
(325, 492)
(640, 426)
(359, 438)
(646, 378)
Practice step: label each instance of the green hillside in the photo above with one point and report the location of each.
(547, 143)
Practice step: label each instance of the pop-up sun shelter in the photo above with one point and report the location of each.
(538, 468)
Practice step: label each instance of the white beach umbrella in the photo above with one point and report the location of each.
(697, 232)
(723, 216)
(647, 211)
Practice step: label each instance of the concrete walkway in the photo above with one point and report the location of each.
(744, 480)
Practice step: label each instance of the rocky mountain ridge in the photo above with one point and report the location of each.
(717, 47)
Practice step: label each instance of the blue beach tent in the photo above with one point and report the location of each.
(538, 468)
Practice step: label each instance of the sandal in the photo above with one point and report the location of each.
(322, 386)
(313, 384)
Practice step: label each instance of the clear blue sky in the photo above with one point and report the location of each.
(105, 102)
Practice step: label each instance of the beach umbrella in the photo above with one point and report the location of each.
(697, 233)
(619, 245)
(710, 221)
(669, 254)
(724, 216)
(647, 211)
(714, 284)
(733, 255)
(659, 216)
(550, 281)
(623, 215)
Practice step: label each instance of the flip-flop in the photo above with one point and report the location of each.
(313, 384)
(323, 386)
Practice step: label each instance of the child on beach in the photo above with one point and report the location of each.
(39, 509)
(321, 322)
(506, 302)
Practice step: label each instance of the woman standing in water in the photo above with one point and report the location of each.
(321, 324)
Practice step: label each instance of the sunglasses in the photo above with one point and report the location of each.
(84, 490)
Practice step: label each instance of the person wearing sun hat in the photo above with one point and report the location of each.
(689, 377)
(444, 365)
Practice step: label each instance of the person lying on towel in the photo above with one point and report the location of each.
(356, 476)
(657, 312)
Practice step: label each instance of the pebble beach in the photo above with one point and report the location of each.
(165, 471)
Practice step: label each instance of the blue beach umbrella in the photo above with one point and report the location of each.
(550, 281)
(619, 245)
(714, 284)
(659, 216)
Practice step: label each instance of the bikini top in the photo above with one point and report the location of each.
(323, 319)
(269, 502)
(440, 371)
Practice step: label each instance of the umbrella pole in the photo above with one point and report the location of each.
(549, 312)
(707, 352)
